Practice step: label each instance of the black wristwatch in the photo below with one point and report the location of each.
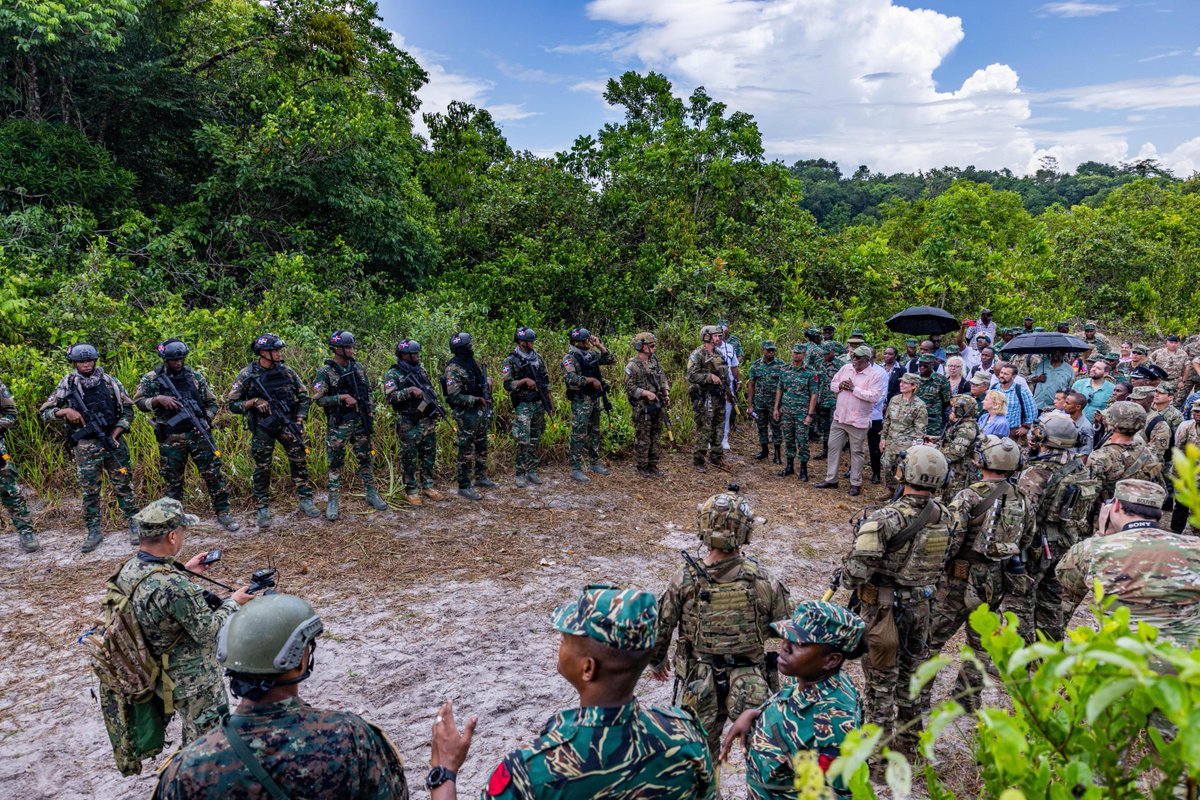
(437, 776)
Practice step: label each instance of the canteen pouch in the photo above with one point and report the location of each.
(747, 689)
(883, 640)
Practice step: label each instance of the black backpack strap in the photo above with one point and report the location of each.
(247, 756)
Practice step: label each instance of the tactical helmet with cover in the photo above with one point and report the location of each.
(999, 454)
(82, 352)
(640, 340)
(724, 521)
(1126, 417)
(963, 406)
(708, 332)
(268, 341)
(1057, 431)
(172, 349)
(268, 636)
(923, 467)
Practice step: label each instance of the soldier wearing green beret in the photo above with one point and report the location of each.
(611, 746)
(762, 381)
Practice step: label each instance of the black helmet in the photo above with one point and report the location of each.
(525, 335)
(268, 341)
(407, 347)
(82, 352)
(341, 339)
(580, 335)
(172, 349)
(460, 341)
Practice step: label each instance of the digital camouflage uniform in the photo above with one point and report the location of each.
(323, 755)
(904, 425)
(1173, 364)
(10, 491)
(813, 353)
(765, 375)
(813, 720)
(935, 392)
(472, 418)
(958, 446)
(178, 443)
(646, 376)
(579, 365)
(345, 425)
(826, 396)
(798, 386)
(292, 397)
(708, 401)
(416, 427)
(610, 753)
(111, 407)
(529, 413)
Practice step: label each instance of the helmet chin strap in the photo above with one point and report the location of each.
(254, 689)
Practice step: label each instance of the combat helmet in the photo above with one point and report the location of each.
(923, 467)
(999, 454)
(724, 521)
(339, 339)
(82, 352)
(407, 347)
(268, 636)
(580, 334)
(460, 341)
(640, 340)
(524, 334)
(709, 331)
(172, 349)
(1056, 431)
(963, 406)
(1126, 417)
(268, 341)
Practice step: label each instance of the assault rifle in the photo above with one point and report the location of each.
(190, 412)
(543, 391)
(605, 403)
(362, 402)
(278, 412)
(487, 394)
(89, 429)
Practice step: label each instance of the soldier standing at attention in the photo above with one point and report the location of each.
(178, 438)
(342, 388)
(528, 383)
(585, 385)
(179, 627)
(611, 747)
(275, 403)
(762, 381)
(724, 608)
(707, 375)
(1173, 359)
(899, 555)
(469, 392)
(408, 389)
(826, 396)
(958, 444)
(10, 491)
(96, 412)
(794, 408)
(649, 395)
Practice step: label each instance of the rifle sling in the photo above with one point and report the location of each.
(253, 764)
(913, 528)
(985, 505)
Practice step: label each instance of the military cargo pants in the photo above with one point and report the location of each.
(822, 421)
(528, 426)
(10, 492)
(91, 462)
(418, 451)
(647, 428)
(585, 430)
(1043, 604)
(349, 432)
(715, 695)
(957, 597)
(708, 408)
(173, 454)
(262, 450)
(886, 701)
(795, 435)
(472, 445)
(200, 709)
(766, 423)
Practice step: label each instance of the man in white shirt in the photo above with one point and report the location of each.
(735, 376)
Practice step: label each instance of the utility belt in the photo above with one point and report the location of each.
(725, 661)
(163, 437)
(874, 595)
(526, 396)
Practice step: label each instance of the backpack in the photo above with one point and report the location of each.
(1070, 496)
(134, 714)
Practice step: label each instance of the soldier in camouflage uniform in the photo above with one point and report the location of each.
(274, 415)
(992, 528)
(409, 391)
(826, 396)
(585, 385)
(707, 379)
(342, 388)
(528, 384)
(904, 424)
(1161, 404)
(935, 392)
(724, 608)
(1099, 343)
(1123, 455)
(814, 350)
(1188, 433)
(178, 618)
(10, 491)
(95, 411)
(649, 395)
(811, 716)
(762, 379)
(958, 444)
(611, 746)
(1173, 359)
(1157, 433)
(468, 391)
(304, 751)
(898, 557)
(161, 393)
(794, 408)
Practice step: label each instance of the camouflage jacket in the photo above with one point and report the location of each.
(1188, 433)
(1014, 524)
(1170, 413)
(8, 411)
(646, 376)
(958, 446)
(576, 365)
(1155, 573)
(396, 383)
(815, 719)
(680, 603)
(1156, 436)
(765, 375)
(318, 755)
(935, 391)
(245, 388)
(701, 364)
(455, 382)
(151, 385)
(826, 396)
(1114, 462)
(517, 366)
(61, 398)
(813, 353)
(797, 386)
(904, 422)
(1099, 343)
(333, 380)
(621, 753)
(174, 617)
(1172, 363)
(876, 558)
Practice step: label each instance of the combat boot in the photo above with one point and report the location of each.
(777, 459)
(94, 537)
(577, 474)
(413, 498)
(804, 471)
(331, 508)
(374, 500)
(29, 541)
(486, 482)
(599, 468)
(469, 493)
(761, 453)
(263, 517)
(433, 494)
(306, 506)
(790, 469)
(134, 536)
(521, 481)
(655, 472)
(533, 477)
(227, 522)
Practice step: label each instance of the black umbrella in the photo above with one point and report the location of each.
(923, 321)
(1044, 342)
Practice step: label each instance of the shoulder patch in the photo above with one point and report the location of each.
(499, 781)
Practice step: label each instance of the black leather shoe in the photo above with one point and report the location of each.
(826, 485)
(855, 491)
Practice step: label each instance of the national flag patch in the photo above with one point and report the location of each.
(499, 781)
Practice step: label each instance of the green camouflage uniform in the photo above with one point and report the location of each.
(826, 397)
(321, 755)
(724, 620)
(529, 414)
(813, 353)
(290, 393)
(936, 394)
(1173, 364)
(578, 365)
(765, 375)
(799, 385)
(416, 427)
(958, 446)
(898, 581)
(1114, 462)
(91, 459)
(708, 401)
(345, 425)
(1156, 436)
(647, 417)
(472, 418)
(10, 492)
(1171, 414)
(179, 443)
(904, 424)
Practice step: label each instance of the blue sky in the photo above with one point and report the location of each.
(896, 85)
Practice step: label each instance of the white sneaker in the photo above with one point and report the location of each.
(725, 445)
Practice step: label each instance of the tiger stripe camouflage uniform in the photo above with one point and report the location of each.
(826, 396)
(646, 376)
(10, 490)
(345, 425)
(416, 427)
(765, 375)
(176, 445)
(958, 445)
(708, 402)
(289, 392)
(798, 386)
(529, 414)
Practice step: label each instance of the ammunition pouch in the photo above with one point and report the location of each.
(959, 569)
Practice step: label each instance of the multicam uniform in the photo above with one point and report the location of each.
(1115, 461)
(579, 365)
(529, 412)
(352, 426)
(903, 426)
(958, 446)
(1173, 364)
(799, 385)
(708, 401)
(10, 492)
(765, 375)
(416, 422)
(646, 376)
(267, 428)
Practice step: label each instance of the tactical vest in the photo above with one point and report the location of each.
(723, 620)
(186, 387)
(279, 383)
(996, 522)
(534, 368)
(99, 405)
(587, 364)
(920, 560)
(353, 383)
(470, 386)
(403, 402)
(1070, 494)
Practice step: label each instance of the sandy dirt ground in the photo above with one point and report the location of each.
(451, 600)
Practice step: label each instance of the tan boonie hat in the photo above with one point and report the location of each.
(862, 351)
(910, 377)
(162, 516)
(981, 378)
(1144, 493)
